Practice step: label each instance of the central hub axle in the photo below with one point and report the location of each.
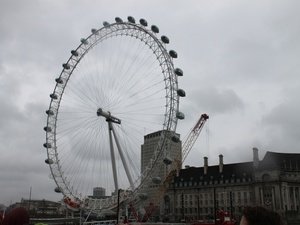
(108, 116)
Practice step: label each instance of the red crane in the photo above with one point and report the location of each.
(193, 135)
(174, 167)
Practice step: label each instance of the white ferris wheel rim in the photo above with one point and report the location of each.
(164, 59)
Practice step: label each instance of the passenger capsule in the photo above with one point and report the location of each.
(94, 31)
(47, 145)
(181, 92)
(84, 41)
(175, 138)
(156, 180)
(49, 112)
(47, 129)
(59, 80)
(131, 19)
(74, 53)
(178, 72)
(155, 29)
(173, 54)
(180, 115)
(66, 66)
(118, 20)
(49, 161)
(165, 39)
(143, 22)
(53, 96)
(57, 190)
(167, 161)
(105, 23)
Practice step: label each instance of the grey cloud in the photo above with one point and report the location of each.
(223, 49)
(282, 123)
(217, 101)
(284, 118)
(243, 43)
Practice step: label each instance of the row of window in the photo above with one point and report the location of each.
(205, 210)
(219, 195)
(199, 183)
(222, 198)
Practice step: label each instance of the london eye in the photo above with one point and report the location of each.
(118, 85)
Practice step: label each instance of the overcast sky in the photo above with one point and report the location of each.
(240, 61)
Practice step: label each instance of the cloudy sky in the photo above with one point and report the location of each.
(240, 61)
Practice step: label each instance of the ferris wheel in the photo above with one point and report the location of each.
(117, 86)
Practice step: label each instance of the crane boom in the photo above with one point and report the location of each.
(175, 166)
(193, 135)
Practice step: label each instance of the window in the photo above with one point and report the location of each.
(266, 177)
(245, 197)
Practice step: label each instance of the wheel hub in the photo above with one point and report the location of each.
(108, 116)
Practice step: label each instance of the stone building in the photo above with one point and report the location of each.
(98, 192)
(41, 208)
(150, 145)
(161, 169)
(198, 192)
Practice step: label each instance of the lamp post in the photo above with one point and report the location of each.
(118, 206)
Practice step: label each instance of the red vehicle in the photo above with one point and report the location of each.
(16, 216)
(223, 218)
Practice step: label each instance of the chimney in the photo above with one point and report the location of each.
(205, 165)
(221, 163)
(255, 158)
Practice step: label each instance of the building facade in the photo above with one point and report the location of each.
(197, 193)
(42, 208)
(150, 146)
(98, 192)
(158, 174)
